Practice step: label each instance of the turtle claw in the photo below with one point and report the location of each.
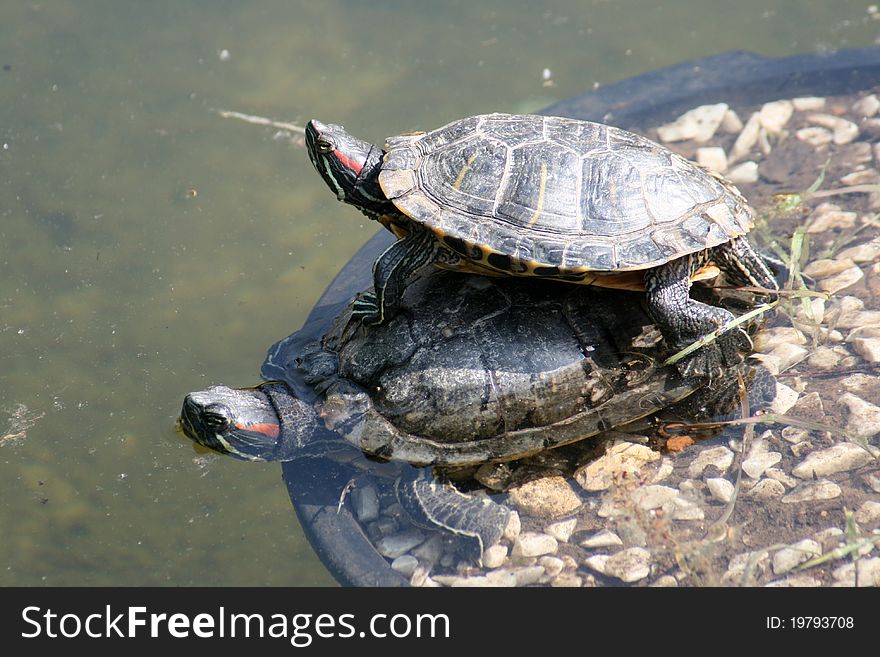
(710, 360)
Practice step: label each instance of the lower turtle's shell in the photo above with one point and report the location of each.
(475, 369)
(542, 195)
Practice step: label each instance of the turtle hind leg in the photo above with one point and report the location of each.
(683, 320)
(436, 504)
(390, 273)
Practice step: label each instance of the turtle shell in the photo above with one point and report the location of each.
(541, 195)
(475, 369)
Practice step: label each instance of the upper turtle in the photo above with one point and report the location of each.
(556, 198)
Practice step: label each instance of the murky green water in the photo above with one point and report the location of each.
(150, 247)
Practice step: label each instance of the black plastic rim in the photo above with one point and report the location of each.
(737, 78)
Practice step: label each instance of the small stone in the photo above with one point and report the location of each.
(823, 489)
(698, 124)
(399, 544)
(720, 457)
(841, 281)
(746, 139)
(713, 158)
(567, 580)
(862, 177)
(811, 311)
(769, 339)
(682, 509)
(843, 131)
(808, 103)
(868, 573)
(759, 459)
(783, 357)
(720, 488)
(552, 565)
(781, 476)
(547, 497)
(801, 580)
(562, 529)
(365, 501)
(429, 552)
(663, 471)
(405, 564)
(814, 136)
(767, 489)
(786, 397)
(867, 106)
(824, 358)
(629, 565)
(868, 513)
(864, 417)
(841, 457)
(794, 555)
(622, 459)
(731, 123)
(867, 348)
(494, 556)
(774, 115)
(665, 581)
(820, 269)
(864, 252)
(809, 407)
(511, 532)
(603, 538)
(744, 173)
(419, 576)
(653, 497)
(533, 544)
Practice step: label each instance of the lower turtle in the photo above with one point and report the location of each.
(472, 370)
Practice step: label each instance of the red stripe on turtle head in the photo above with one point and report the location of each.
(348, 162)
(270, 429)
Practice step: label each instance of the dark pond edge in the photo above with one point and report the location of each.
(737, 78)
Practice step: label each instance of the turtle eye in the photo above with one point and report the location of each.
(216, 417)
(324, 145)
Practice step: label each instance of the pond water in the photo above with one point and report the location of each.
(151, 247)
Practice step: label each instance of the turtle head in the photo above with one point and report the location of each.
(349, 166)
(266, 423)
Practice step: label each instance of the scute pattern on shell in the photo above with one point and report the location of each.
(561, 192)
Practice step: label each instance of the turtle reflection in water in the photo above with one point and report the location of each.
(471, 370)
(552, 198)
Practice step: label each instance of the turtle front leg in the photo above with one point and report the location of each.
(390, 273)
(683, 320)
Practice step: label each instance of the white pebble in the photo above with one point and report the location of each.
(864, 417)
(731, 123)
(698, 124)
(841, 281)
(720, 488)
(843, 131)
(511, 532)
(823, 489)
(603, 538)
(867, 348)
(621, 459)
(868, 570)
(562, 529)
(746, 139)
(533, 544)
(867, 106)
(829, 219)
(786, 397)
(629, 565)
(720, 457)
(767, 489)
(808, 103)
(552, 565)
(653, 497)
(746, 172)
(868, 513)
(794, 555)
(774, 115)
(713, 158)
(814, 136)
(494, 556)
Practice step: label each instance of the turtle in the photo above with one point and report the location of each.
(471, 370)
(555, 198)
